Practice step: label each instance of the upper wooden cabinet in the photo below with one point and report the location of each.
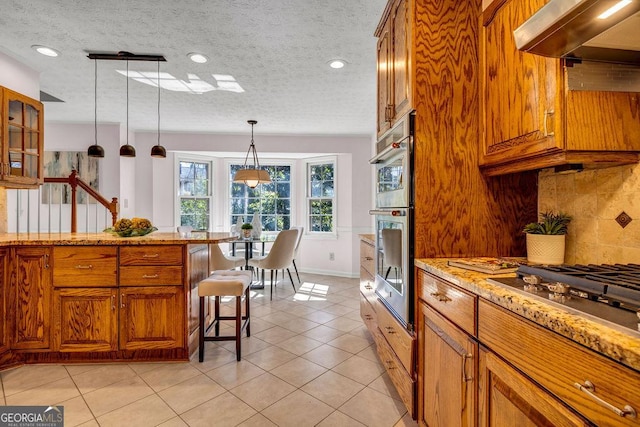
(21, 140)
(532, 117)
(394, 63)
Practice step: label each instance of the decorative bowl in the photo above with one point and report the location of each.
(131, 232)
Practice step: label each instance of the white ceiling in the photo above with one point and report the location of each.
(277, 51)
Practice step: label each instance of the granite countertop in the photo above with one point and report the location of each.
(616, 344)
(102, 238)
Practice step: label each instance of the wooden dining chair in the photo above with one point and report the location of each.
(279, 257)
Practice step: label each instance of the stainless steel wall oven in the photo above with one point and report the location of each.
(394, 220)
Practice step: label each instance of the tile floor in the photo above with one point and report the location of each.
(309, 362)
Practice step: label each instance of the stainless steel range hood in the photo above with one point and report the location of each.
(575, 29)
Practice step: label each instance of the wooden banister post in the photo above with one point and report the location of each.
(73, 182)
(114, 210)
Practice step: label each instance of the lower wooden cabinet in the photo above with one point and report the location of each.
(448, 372)
(30, 294)
(151, 317)
(85, 319)
(4, 282)
(508, 398)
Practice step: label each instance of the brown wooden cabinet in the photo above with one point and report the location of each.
(394, 344)
(508, 398)
(447, 353)
(151, 317)
(85, 319)
(449, 378)
(30, 296)
(21, 140)
(532, 119)
(394, 63)
(4, 286)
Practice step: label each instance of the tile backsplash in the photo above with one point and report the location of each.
(594, 198)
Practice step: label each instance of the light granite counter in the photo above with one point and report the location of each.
(102, 238)
(618, 345)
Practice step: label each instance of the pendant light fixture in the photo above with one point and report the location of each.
(158, 150)
(252, 176)
(127, 150)
(95, 150)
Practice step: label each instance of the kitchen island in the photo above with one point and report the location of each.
(96, 297)
(522, 360)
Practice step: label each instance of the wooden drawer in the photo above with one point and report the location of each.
(454, 303)
(368, 315)
(75, 266)
(367, 286)
(151, 255)
(399, 376)
(151, 275)
(400, 340)
(559, 365)
(367, 257)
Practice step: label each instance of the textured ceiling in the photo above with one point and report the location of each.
(277, 51)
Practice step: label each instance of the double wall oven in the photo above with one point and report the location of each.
(394, 220)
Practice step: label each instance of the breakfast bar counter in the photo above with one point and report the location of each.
(96, 297)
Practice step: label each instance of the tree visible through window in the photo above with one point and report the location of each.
(195, 194)
(321, 197)
(271, 201)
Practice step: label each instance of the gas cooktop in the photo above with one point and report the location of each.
(607, 293)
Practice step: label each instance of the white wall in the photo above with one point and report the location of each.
(19, 77)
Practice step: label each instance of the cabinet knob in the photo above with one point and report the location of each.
(440, 296)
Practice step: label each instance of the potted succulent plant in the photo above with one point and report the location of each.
(246, 229)
(546, 238)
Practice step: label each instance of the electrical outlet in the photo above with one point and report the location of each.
(332, 256)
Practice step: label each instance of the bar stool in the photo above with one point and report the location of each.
(224, 283)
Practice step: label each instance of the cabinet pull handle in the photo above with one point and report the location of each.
(121, 300)
(150, 255)
(113, 302)
(368, 317)
(84, 267)
(150, 276)
(590, 389)
(46, 260)
(390, 365)
(547, 113)
(368, 258)
(440, 296)
(464, 368)
(368, 287)
(390, 330)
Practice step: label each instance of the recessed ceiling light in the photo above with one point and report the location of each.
(44, 50)
(337, 63)
(198, 57)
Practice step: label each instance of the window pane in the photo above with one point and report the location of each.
(195, 212)
(321, 192)
(316, 223)
(272, 200)
(327, 189)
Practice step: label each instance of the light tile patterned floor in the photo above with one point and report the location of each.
(309, 362)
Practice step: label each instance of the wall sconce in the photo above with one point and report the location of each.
(252, 176)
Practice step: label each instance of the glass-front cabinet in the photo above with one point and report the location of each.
(22, 140)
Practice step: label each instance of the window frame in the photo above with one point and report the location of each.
(264, 162)
(334, 213)
(178, 197)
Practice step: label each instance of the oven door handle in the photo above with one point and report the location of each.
(393, 148)
(388, 212)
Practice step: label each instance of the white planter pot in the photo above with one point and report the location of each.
(545, 248)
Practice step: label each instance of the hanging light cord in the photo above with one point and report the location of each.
(158, 82)
(95, 101)
(127, 102)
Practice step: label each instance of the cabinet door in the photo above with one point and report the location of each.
(401, 54)
(31, 298)
(384, 80)
(85, 319)
(448, 363)
(508, 398)
(4, 285)
(521, 91)
(152, 317)
(22, 141)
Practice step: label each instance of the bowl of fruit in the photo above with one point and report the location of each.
(125, 227)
